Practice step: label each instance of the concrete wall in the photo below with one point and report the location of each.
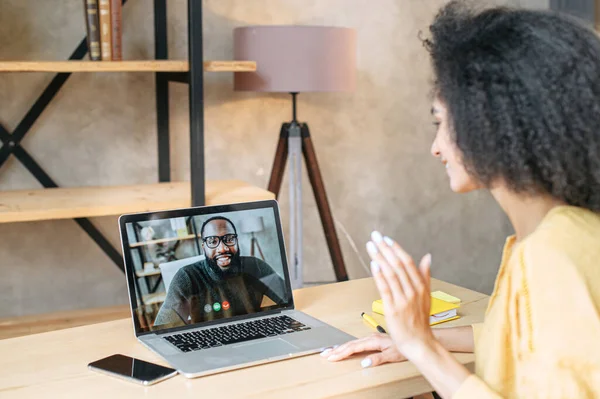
(373, 145)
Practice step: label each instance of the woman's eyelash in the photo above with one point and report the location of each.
(436, 124)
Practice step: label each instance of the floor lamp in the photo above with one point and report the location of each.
(299, 59)
(252, 225)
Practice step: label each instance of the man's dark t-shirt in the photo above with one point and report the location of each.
(195, 286)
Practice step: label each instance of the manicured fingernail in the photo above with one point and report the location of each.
(376, 236)
(374, 267)
(388, 241)
(429, 258)
(366, 362)
(371, 247)
(326, 352)
(335, 346)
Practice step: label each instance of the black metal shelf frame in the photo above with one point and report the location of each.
(190, 223)
(11, 143)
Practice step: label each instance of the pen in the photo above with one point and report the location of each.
(372, 322)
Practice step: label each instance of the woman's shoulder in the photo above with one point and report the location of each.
(566, 229)
(574, 219)
(558, 269)
(566, 242)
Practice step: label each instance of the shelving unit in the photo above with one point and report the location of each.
(139, 246)
(163, 240)
(147, 273)
(80, 202)
(124, 66)
(153, 299)
(53, 202)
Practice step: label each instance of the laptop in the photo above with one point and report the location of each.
(226, 306)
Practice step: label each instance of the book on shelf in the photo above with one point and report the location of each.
(92, 29)
(116, 18)
(439, 312)
(105, 29)
(104, 26)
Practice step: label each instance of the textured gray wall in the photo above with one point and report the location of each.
(583, 9)
(373, 145)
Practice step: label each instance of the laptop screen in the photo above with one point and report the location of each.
(204, 264)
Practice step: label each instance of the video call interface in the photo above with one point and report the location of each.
(193, 269)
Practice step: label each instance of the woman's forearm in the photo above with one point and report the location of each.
(456, 339)
(441, 369)
(436, 363)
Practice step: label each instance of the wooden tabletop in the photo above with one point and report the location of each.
(54, 364)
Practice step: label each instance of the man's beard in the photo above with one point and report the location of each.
(235, 267)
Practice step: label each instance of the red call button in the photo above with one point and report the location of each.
(225, 305)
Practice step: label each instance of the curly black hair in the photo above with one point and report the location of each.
(522, 88)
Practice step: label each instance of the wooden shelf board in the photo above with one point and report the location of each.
(161, 241)
(68, 203)
(151, 299)
(230, 66)
(123, 66)
(147, 273)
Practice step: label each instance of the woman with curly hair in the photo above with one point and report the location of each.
(517, 110)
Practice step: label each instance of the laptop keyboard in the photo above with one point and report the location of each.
(235, 333)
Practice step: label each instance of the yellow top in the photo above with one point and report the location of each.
(541, 335)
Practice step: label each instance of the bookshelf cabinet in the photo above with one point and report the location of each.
(53, 202)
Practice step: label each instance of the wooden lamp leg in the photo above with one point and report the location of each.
(316, 181)
(262, 256)
(279, 162)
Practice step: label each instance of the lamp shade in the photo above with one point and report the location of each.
(252, 224)
(296, 59)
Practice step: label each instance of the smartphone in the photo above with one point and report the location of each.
(131, 369)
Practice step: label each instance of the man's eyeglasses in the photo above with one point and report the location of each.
(213, 241)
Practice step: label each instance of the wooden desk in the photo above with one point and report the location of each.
(54, 364)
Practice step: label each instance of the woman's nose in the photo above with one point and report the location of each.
(435, 151)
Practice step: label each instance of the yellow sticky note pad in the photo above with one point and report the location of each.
(445, 297)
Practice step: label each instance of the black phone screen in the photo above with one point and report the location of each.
(133, 368)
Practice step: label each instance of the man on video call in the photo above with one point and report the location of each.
(223, 284)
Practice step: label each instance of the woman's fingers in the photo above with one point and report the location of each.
(407, 260)
(396, 266)
(376, 342)
(382, 343)
(390, 355)
(386, 279)
(381, 283)
(425, 269)
(398, 250)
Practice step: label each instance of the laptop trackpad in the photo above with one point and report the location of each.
(267, 349)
